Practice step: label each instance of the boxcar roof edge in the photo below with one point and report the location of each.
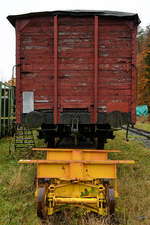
(13, 18)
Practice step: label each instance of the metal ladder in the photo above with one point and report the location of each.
(24, 140)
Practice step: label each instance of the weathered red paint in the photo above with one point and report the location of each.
(119, 106)
(55, 69)
(133, 99)
(77, 62)
(95, 67)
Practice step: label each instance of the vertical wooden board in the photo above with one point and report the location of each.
(55, 69)
(95, 69)
(133, 100)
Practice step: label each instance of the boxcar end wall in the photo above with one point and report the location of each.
(76, 65)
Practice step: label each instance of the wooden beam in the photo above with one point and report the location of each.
(55, 69)
(133, 101)
(95, 67)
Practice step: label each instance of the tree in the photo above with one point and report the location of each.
(143, 66)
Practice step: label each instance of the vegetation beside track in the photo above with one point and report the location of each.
(133, 181)
(143, 122)
(17, 202)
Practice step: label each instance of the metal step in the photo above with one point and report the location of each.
(21, 134)
(23, 146)
(31, 143)
(23, 129)
(23, 139)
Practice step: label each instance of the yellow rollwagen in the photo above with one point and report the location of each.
(79, 177)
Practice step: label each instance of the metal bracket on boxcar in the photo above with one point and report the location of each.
(75, 124)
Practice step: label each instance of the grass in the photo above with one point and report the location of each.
(134, 181)
(143, 122)
(17, 202)
(16, 190)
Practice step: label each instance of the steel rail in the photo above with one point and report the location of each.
(138, 131)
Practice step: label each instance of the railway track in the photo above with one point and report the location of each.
(137, 131)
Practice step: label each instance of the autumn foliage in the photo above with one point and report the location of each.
(143, 66)
(12, 82)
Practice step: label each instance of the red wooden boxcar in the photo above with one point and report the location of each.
(76, 69)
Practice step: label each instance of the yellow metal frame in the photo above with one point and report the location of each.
(77, 178)
(6, 118)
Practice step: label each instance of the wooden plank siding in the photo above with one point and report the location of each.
(66, 67)
(37, 57)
